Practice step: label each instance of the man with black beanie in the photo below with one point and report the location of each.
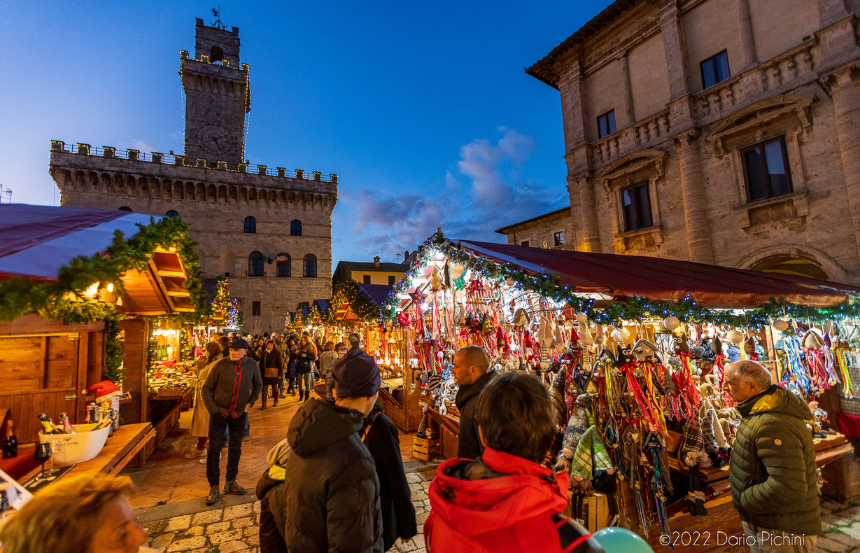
(330, 496)
(232, 387)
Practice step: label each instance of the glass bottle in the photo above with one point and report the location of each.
(67, 426)
(48, 427)
(10, 444)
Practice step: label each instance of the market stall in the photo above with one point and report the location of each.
(632, 350)
(356, 307)
(76, 289)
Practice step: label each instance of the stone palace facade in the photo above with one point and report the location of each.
(268, 230)
(716, 131)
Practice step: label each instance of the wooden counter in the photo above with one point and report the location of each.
(122, 447)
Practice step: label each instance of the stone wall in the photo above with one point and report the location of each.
(542, 231)
(791, 81)
(215, 204)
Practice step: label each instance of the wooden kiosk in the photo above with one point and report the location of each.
(63, 334)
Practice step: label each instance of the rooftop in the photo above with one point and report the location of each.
(544, 69)
(370, 266)
(533, 219)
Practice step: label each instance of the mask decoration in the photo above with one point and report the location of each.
(645, 350)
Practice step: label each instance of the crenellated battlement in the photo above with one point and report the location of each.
(109, 152)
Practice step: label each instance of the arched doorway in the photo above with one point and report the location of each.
(789, 265)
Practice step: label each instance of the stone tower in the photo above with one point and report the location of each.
(267, 229)
(218, 95)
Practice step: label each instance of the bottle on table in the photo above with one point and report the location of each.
(10, 444)
(48, 426)
(67, 426)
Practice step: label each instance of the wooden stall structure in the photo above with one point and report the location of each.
(550, 314)
(44, 365)
(357, 305)
(46, 255)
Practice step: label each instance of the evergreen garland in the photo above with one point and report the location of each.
(350, 292)
(20, 296)
(613, 312)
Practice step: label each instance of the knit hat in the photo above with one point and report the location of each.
(356, 375)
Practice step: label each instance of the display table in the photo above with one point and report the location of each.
(122, 447)
(447, 428)
(722, 516)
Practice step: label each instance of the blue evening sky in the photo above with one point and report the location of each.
(422, 108)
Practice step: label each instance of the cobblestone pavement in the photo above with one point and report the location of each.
(235, 529)
(841, 527)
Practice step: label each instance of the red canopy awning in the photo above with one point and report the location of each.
(665, 279)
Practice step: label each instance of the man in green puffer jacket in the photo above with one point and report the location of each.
(773, 478)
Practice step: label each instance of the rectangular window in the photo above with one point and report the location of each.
(524, 243)
(391, 280)
(606, 124)
(766, 172)
(255, 309)
(715, 69)
(558, 237)
(636, 205)
(366, 279)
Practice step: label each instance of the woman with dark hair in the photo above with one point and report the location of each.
(200, 416)
(271, 370)
(290, 371)
(304, 368)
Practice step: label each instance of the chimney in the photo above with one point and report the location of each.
(376, 262)
(405, 256)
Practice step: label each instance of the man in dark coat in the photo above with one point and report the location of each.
(772, 474)
(398, 513)
(329, 500)
(470, 373)
(232, 387)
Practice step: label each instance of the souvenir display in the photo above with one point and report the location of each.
(636, 384)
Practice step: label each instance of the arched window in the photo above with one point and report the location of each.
(216, 54)
(250, 225)
(172, 213)
(226, 262)
(296, 228)
(310, 266)
(283, 265)
(256, 262)
(125, 208)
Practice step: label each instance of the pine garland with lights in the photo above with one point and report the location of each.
(20, 296)
(359, 302)
(612, 312)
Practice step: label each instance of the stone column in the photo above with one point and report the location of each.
(673, 44)
(693, 190)
(747, 38)
(572, 91)
(583, 187)
(846, 104)
(628, 89)
(831, 11)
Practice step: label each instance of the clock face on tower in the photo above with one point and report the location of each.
(214, 139)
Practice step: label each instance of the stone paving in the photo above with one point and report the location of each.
(840, 526)
(236, 529)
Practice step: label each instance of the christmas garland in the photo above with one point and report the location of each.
(613, 312)
(20, 296)
(362, 305)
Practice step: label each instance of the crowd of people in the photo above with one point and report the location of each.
(337, 482)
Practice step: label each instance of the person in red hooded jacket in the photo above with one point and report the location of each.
(505, 501)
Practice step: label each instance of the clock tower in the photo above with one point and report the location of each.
(218, 95)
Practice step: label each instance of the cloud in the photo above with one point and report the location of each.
(487, 181)
(141, 146)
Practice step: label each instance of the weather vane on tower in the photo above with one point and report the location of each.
(217, 14)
